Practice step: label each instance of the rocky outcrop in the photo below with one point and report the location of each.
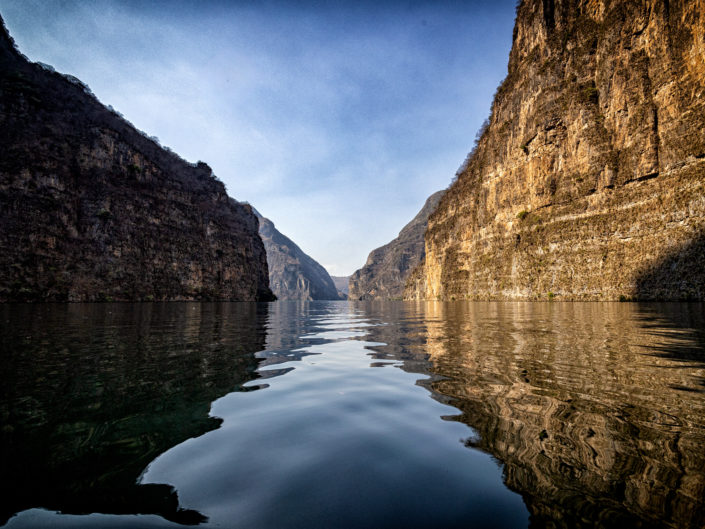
(292, 273)
(387, 267)
(589, 181)
(92, 209)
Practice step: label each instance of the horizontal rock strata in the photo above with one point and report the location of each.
(588, 182)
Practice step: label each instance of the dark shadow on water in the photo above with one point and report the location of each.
(91, 394)
(680, 331)
(679, 275)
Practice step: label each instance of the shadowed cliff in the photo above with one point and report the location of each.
(92, 209)
(680, 274)
(293, 275)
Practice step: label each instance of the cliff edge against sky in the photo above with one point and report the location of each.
(589, 181)
(388, 266)
(293, 275)
(91, 209)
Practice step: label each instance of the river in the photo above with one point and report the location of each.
(341, 415)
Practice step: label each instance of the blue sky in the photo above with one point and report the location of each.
(334, 119)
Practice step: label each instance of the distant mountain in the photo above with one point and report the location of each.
(92, 209)
(387, 267)
(292, 273)
(341, 283)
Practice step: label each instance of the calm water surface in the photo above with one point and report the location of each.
(336, 415)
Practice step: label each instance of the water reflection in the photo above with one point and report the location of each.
(92, 393)
(568, 415)
(596, 410)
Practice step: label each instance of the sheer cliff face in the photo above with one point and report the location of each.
(292, 273)
(91, 209)
(589, 181)
(387, 267)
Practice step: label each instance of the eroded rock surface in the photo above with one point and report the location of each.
(589, 180)
(292, 273)
(387, 267)
(91, 209)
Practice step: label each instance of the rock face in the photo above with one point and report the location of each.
(91, 209)
(387, 267)
(292, 273)
(589, 182)
(341, 283)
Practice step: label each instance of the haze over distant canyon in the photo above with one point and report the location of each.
(585, 183)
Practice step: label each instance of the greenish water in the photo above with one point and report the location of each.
(336, 414)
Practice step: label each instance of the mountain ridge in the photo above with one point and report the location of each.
(388, 266)
(293, 274)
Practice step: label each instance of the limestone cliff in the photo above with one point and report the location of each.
(387, 267)
(292, 273)
(589, 182)
(92, 209)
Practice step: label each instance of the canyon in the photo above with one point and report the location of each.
(588, 180)
(387, 267)
(293, 275)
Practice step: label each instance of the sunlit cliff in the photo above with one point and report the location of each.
(588, 182)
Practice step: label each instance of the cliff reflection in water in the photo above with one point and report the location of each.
(92, 393)
(596, 410)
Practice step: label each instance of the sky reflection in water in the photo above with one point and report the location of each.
(539, 414)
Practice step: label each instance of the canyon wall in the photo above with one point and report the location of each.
(388, 266)
(293, 274)
(91, 209)
(342, 283)
(588, 183)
